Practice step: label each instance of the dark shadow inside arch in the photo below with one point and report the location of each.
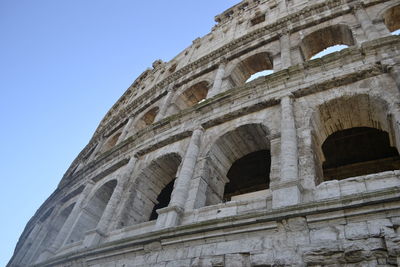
(163, 200)
(237, 164)
(248, 174)
(358, 151)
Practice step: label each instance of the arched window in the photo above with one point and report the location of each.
(192, 95)
(54, 229)
(353, 136)
(93, 211)
(392, 19)
(259, 64)
(322, 39)
(110, 142)
(358, 151)
(147, 119)
(238, 164)
(151, 190)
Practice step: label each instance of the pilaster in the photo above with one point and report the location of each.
(171, 215)
(365, 21)
(94, 237)
(286, 191)
(217, 85)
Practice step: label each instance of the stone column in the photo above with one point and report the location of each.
(67, 228)
(94, 237)
(125, 131)
(171, 215)
(394, 72)
(286, 60)
(216, 88)
(285, 191)
(366, 22)
(164, 107)
(282, 7)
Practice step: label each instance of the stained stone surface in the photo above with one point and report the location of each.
(189, 120)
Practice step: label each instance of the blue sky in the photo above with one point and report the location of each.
(63, 64)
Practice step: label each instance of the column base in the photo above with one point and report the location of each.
(46, 254)
(169, 217)
(286, 196)
(93, 238)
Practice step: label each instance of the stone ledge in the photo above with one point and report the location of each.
(228, 225)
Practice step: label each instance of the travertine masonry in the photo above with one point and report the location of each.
(197, 166)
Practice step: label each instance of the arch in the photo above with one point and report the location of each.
(340, 118)
(321, 39)
(230, 153)
(391, 18)
(147, 118)
(53, 229)
(92, 212)
(148, 190)
(110, 142)
(192, 95)
(244, 69)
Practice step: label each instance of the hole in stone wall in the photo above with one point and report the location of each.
(238, 163)
(248, 174)
(259, 74)
(151, 191)
(110, 143)
(192, 95)
(391, 19)
(358, 151)
(352, 136)
(319, 40)
(329, 50)
(147, 119)
(258, 63)
(257, 20)
(162, 200)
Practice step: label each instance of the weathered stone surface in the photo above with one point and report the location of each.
(155, 186)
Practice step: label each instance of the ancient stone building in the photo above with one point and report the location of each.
(195, 165)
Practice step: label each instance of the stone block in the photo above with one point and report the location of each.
(325, 234)
(352, 186)
(327, 190)
(355, 231)
(284, 197)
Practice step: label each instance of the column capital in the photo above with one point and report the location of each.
(289, 95)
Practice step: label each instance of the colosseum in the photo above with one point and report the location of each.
(202, 163)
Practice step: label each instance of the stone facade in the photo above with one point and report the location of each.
(164, 180)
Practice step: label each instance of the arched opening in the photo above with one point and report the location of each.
(110, 142)
(248, 174)
(151, 190)
(391, 19)
(353, 136)
(322, 39)
(260, 64)
(147, 119)
(358, 151)
(192, 95)
(238, 164)
(93, 211)
(329, 50)
(163, 200)
(54, 229)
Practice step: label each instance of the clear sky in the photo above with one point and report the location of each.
(63, 64)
